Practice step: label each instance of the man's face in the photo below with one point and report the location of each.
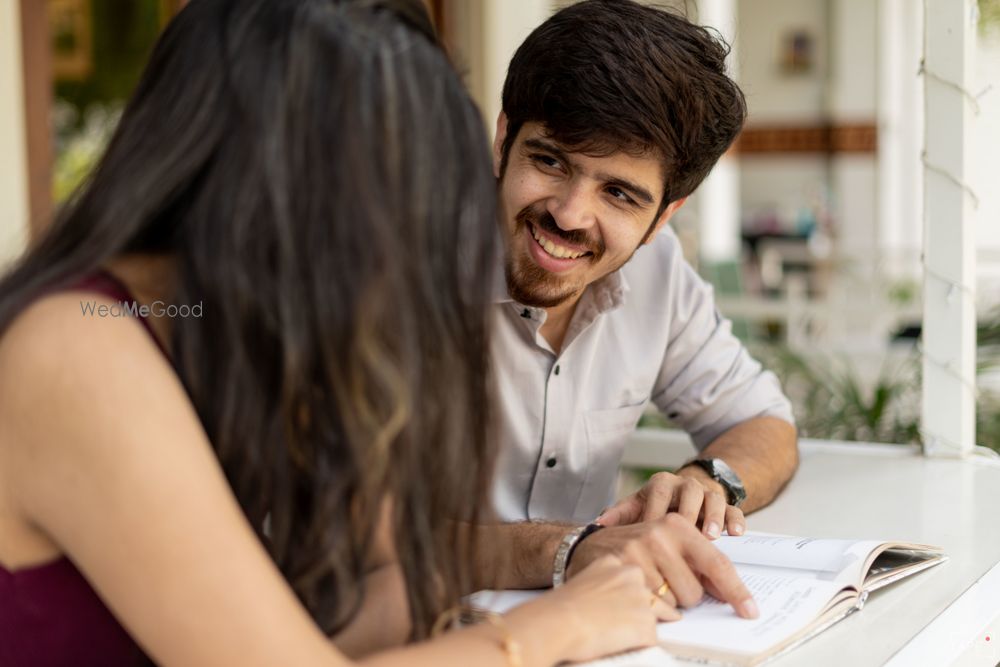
(569, 218)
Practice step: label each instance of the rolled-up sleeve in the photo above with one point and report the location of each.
(708, 382)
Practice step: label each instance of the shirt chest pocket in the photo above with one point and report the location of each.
(607, 432)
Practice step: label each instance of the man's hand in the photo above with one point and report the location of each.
(670, 550)
(691, 493)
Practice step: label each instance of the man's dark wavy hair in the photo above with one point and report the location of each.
(322, 180)
(610, 75)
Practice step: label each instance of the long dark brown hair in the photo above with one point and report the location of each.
(323, 182)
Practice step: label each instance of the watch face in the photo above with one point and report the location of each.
(724, 472)
(729, 479)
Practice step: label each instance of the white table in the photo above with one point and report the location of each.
(947, 615)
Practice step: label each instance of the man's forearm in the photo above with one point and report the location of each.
(763, 452)
(517, 555)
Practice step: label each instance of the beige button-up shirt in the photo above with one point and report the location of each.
(648, 332)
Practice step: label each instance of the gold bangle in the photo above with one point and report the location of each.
(460, 616)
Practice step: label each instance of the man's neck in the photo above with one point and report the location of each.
(557, 320)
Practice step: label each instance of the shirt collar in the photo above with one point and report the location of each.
(609, 292)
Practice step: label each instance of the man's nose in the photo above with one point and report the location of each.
(573, 208)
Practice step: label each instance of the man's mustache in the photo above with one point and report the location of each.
(573, 237)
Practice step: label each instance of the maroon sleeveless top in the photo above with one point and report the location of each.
(50, 616)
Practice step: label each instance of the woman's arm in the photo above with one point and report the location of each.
(383, 621)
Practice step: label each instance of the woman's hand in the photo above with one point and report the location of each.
(673, 551)
(606, 608)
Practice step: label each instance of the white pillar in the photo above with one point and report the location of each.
(900, 138)
(852, 97)
(13, 145)
(949, 327)
(718, 196)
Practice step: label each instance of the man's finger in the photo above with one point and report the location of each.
(659, 492)
(690, 496)
(625, 512)
(736, 523)
(714, 515)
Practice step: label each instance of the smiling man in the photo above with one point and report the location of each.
(613, 113)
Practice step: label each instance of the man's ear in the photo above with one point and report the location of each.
(668, 213)
(498, 142)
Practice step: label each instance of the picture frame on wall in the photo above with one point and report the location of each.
(797, 52)
(71, 32)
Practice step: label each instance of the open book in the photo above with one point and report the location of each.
(802, 586)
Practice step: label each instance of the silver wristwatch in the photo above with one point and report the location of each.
(565, 550)
(718, 470)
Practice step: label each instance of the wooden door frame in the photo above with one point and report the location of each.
(37, 78)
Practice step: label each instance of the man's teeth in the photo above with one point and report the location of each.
(556, 251)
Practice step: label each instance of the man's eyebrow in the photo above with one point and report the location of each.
(639, 192)
(540, 145)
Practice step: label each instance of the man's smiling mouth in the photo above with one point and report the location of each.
(553, 249)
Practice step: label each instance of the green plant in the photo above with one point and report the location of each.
(987, 366)
(988, 420)
(78, 148)
(989, 15)
(903, 292)
(831, 401)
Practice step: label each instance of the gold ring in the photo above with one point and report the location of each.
(663, 589)
(652, 600)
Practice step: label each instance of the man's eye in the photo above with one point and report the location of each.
(620, 195)
(546, 160)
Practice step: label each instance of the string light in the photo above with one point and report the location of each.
(949, 368)
(923, 71)
(951, 177)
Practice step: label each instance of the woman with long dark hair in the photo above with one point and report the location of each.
(243, 379)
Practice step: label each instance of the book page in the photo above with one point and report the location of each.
(787, 605)
(827, 559)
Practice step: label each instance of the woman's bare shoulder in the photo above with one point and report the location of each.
(68, 368)
(71, 330)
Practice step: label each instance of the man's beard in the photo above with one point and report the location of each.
(532, 285)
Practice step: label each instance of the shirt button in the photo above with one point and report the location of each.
(551, 462)
(557, 369)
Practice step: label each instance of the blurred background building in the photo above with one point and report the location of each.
(811, 228)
